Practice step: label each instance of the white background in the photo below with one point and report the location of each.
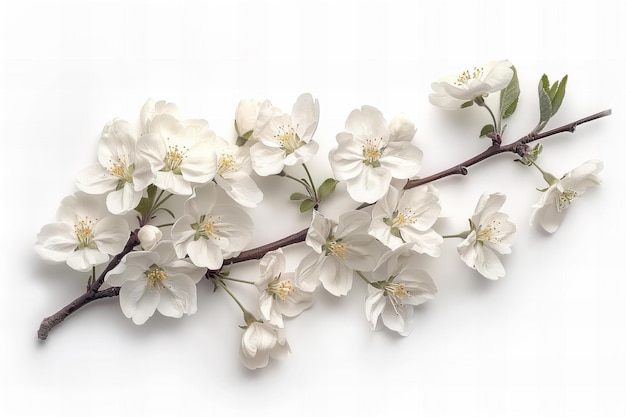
(546, 340)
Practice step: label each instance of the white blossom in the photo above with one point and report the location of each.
(407, 216)
(181, 153)
(233, 173)
(396, 285)
(209, 232)
(370, 153)
(280, 295)
(338, 250)
(84, 235)
(285, 139)
(152, 108)
(491, 234)
(261, 341)
(452, 91)
(155, 280)
(551, 208)
(121, 173)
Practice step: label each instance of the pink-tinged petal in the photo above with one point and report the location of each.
(111, 234)
(84, 259)
(178, 296)
(367, 123)
(267, 160)
(370, 185)
(335, 277)
(138, 300)
(96, 180)
(56, 241)
(205, 253)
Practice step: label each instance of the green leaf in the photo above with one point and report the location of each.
(298, 196)
(557, 100)
(306, 205)
(509, 96)
(487, 129)
(145, 204)
(545, 105)
(545, 83)
(327, 187)
(467, 104)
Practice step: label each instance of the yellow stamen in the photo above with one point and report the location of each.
(339, 249)
(565, 198)
(173, 158)
(84, 233)
(466, 76)
(155, 276)
(288, 138)
(226, 164)
(280, 288)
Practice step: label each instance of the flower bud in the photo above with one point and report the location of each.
(245, 116)
(149, 236)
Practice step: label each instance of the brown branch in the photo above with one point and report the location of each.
(90, 295)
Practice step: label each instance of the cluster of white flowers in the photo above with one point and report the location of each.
(382, 243)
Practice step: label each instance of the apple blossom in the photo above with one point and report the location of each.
(452, 91)
(121, 173)
(550, 209)
(208, 232)
(285, 139)
(396, 285)
(338, 250)
(261, 341)
(407, 216)
(491, 233)
(233, 173)
(85, 233)
(370, 153)
(280, 294)
(155, 280)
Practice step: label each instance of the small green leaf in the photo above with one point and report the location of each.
(545, 83)
(509, 96)
(327, 187)
(306, 205)
(557, 100)
(545, 105)
(298, 196)
(487, 129)
(553, 89)
(467, 104)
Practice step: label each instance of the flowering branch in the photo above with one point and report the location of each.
(517, 147)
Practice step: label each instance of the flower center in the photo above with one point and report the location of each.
(173, 158)
(123, 171)
(490, 233)
(288, 139)
(207, 227)
(84, 233)
(337, 248)
(372, 152)
(280, 288)
(466, 76)
(396, 294)
(226, 164)
(565, 198)
(155, 275)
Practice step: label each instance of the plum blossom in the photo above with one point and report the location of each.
(155, 280)
(85, 233)
(285, 139)
(209, 232)
(452, 91)
(396, 285)
(121, 173)
(339, 248)
(491, 234)
(371, 152)
(407, 216)
(233, 173)
(181, 152)
(280, 295)
(261, 341)
(551, 208)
